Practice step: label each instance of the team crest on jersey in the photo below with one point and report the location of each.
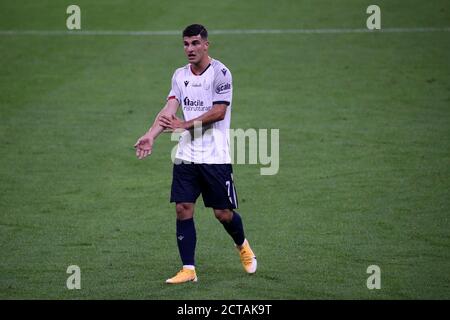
(224, 71)
(186, 83)
(206, 85)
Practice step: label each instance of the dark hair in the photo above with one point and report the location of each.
(195, 30)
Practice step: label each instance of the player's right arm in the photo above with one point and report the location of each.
(144, 145)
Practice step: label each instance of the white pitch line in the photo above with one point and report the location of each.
(213, 32)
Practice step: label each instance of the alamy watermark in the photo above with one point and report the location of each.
(374, 20)
(74, 280)
(73, 21)
(374, 280)
(263, 146)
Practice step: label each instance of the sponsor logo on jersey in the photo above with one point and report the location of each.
(202, 109)
(224, 71)
(196, 84)
(223, 88)
(186, 83)
(192, 103)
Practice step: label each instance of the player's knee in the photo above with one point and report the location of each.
(224, 216)
(184, 211)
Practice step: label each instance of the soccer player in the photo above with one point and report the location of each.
(203, 88)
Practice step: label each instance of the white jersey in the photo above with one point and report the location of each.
(196, 95)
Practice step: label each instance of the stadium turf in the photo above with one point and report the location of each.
(364, 122)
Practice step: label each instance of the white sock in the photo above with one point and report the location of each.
(188, 266)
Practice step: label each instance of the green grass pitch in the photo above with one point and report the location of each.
(364, 177)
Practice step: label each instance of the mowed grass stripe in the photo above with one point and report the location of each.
(215, 32)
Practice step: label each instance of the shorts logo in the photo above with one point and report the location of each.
(192, 103)
(186, 83)
(223, 88)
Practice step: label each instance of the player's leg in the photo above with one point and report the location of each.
(185, 191)
(186, 234)
(232, 222)
(219, 193)
(186, 241)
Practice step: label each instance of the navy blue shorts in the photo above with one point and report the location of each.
(213, 181)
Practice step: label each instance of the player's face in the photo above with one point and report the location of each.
(195, 48)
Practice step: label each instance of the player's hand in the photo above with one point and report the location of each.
(171, 123)
(143, 146)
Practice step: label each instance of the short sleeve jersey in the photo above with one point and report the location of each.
(197, 94)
